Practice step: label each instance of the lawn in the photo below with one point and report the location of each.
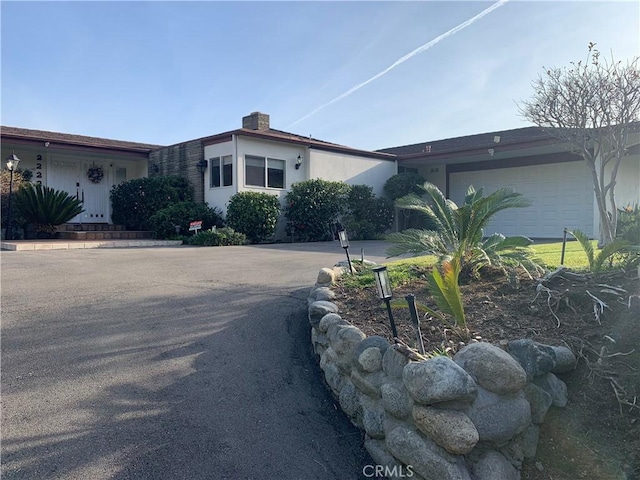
(404, 270)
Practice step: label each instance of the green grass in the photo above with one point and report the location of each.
(405, 270)
(574, 256)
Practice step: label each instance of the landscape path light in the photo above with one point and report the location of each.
(411, 301)
(12, 165)
(344, 243)
(385, 293)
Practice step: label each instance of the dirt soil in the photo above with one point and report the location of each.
(597, 435)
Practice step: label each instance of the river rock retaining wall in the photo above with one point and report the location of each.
(473, 417)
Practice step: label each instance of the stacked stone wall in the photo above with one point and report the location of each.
(181, 160)
(473, 417)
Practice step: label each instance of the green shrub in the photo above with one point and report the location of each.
(218, 237)
(134, 202)
(313, 206)
(45, 208)
(403, 184)
(253, 213)
(20, 178)
(164, 221)
(368, 217)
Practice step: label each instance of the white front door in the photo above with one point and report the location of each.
(72, 176)
(95, 192)
(64, 174)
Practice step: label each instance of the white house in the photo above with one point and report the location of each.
(63, 161)
(258, 158)
(530, 161)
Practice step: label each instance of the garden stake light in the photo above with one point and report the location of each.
(384, 292)
(411, 301)
(564, 245)
(344, 243)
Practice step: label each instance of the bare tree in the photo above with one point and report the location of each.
(592, 107)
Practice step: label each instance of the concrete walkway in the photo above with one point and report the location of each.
(30, 245)
(169, 363)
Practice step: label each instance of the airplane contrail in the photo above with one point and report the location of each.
(409, 55)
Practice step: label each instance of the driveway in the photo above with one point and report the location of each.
(169, 363)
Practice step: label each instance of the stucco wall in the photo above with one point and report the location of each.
(351, 169)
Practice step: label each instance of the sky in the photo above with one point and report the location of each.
(368, 75)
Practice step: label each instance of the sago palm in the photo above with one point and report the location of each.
(459, 230)
(45, 207)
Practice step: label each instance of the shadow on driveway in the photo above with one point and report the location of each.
(173, 389)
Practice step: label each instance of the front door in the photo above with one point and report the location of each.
(86, 180)
(94, 192)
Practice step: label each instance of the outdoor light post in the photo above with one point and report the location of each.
(384, 292)
(12, 164)
(411, 301)
(344, 243)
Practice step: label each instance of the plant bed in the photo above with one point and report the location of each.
(597, 435)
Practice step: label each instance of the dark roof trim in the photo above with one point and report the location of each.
(57, 138)
(285, 137)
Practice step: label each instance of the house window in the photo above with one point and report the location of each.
(261, 172)
(275, 173)
(221, 169)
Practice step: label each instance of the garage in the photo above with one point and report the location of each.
(561, 195)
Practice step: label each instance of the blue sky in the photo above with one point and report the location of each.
(167, 72)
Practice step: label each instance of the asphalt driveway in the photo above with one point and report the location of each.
(169, 363)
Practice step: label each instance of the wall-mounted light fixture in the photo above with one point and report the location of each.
(202, 165)
(384, 293)
(298, 162)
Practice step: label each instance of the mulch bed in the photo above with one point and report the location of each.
(597, 436)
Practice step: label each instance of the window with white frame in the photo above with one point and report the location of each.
(263, 171)
(221, 169)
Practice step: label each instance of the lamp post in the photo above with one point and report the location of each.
(344, 243)
(12, 164)
(411, 301)
(384, 293)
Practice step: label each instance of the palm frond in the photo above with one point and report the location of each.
(416, 242)
(444, 288)
(586, 245)
(45, 207)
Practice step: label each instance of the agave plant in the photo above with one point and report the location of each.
(459, 231)
(45, 207)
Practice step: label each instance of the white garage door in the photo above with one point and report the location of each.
(561, 195)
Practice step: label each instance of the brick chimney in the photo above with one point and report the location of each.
(256, 121)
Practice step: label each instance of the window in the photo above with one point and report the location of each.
(275, 173)
(261, 171)
(221, 169)
(121, 175)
